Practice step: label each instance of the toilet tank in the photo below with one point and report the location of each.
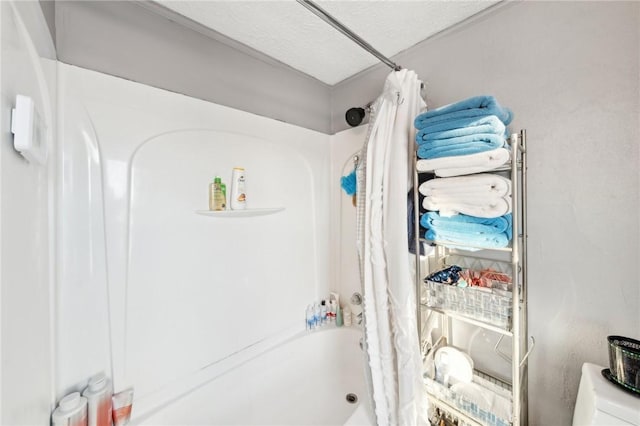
(600, 402)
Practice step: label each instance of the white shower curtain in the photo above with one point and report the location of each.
(384, 178)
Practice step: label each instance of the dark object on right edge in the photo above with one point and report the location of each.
(624, 362)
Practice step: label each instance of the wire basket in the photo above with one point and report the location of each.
(477, 410)
(492, 306)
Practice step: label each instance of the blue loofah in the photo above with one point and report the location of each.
(348, 183)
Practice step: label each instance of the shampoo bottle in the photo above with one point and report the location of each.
(339, 320)
(223, 187)
(346, 316)
(332, 310)
(334, 305)
(216, 198)
(238, 199)
(310, 318)
(72, 411)
(316, 314)
(323, 312)
(98, 395)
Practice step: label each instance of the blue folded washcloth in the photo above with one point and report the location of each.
(462, 127)
(465, 223)
(477, 106)
(462, 145)
(495, 240)
(348, 183)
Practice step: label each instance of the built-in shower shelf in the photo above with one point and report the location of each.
(240, 213)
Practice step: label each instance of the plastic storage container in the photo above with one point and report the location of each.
(492, 306)
(484, 407)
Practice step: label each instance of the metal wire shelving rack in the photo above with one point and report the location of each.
(514, 259)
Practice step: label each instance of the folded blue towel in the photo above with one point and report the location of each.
(465, 223)
(462, 127)
(462, 145)
(485, 138)
(348, 183)
(509, 231)
(495, 240)
(477, 106)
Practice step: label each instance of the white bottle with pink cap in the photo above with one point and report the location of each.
(238, 199)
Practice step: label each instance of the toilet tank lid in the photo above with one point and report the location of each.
(610, 398)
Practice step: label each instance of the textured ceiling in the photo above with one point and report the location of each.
(286, 31)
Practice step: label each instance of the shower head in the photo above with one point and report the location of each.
(354, 116)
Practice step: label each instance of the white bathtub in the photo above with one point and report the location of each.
(305, 381)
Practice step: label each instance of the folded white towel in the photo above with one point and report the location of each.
(483, 195)
(461, 187)
(473, 206)
(465, 164)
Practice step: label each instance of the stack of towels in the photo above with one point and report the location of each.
(469, 211)
(463, 138)
(458, 142)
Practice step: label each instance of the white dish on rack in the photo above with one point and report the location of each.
(453, 366)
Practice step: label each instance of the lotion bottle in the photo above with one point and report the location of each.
(238, 199)
(98, 394)
(72, 411)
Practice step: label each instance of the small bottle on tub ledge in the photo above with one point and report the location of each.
(72, 411)
(122, 404)
(98, 393)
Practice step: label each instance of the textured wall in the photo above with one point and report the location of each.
(127, 40)
(570, 71)
(49, 12)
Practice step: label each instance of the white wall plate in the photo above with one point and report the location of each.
(28, 130)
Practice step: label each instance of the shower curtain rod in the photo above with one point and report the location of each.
(325, 16)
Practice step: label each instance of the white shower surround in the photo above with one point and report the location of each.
(138, 296)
